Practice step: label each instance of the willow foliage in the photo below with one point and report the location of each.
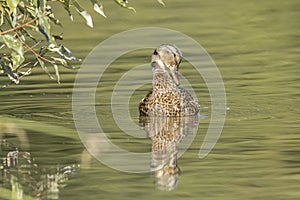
(27, 40)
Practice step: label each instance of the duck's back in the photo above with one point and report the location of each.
(177, 102)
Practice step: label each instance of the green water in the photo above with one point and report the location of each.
(255, 45)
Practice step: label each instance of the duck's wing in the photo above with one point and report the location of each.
(143, 104)
(189, 105)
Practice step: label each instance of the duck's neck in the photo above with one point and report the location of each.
(162, 81)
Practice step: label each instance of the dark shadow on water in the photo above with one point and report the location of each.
(167, 133)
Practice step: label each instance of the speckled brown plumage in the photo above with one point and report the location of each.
(167, 98)
(166, 134)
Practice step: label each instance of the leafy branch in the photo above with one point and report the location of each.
(26, 34)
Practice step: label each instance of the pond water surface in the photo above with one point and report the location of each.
(255, 45)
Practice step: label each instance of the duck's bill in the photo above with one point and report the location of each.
(175, 76)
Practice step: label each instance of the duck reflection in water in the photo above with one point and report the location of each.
(168, 113)
(166, 134)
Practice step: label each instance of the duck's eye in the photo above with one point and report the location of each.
(175, 59)
(155, 52)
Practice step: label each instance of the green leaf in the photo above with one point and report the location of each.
(17, 60)
(51, 16)
(57, 73)
(123, 3)
(98, 7)
(63, 51)
(1, 15)
(64, 63)
(161, 2)
(45, 27)
(42, 64)
(42, 4)
(66, 5)
(13, 43)
(35, 3)
(83, 13)
(12, 4)
(88, 18)
(17, 55)
(131, 8)
(27, 34)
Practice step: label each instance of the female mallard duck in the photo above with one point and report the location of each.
(167, 98)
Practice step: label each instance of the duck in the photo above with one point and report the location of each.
(167, 97)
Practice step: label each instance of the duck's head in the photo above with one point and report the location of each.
(167, 56)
